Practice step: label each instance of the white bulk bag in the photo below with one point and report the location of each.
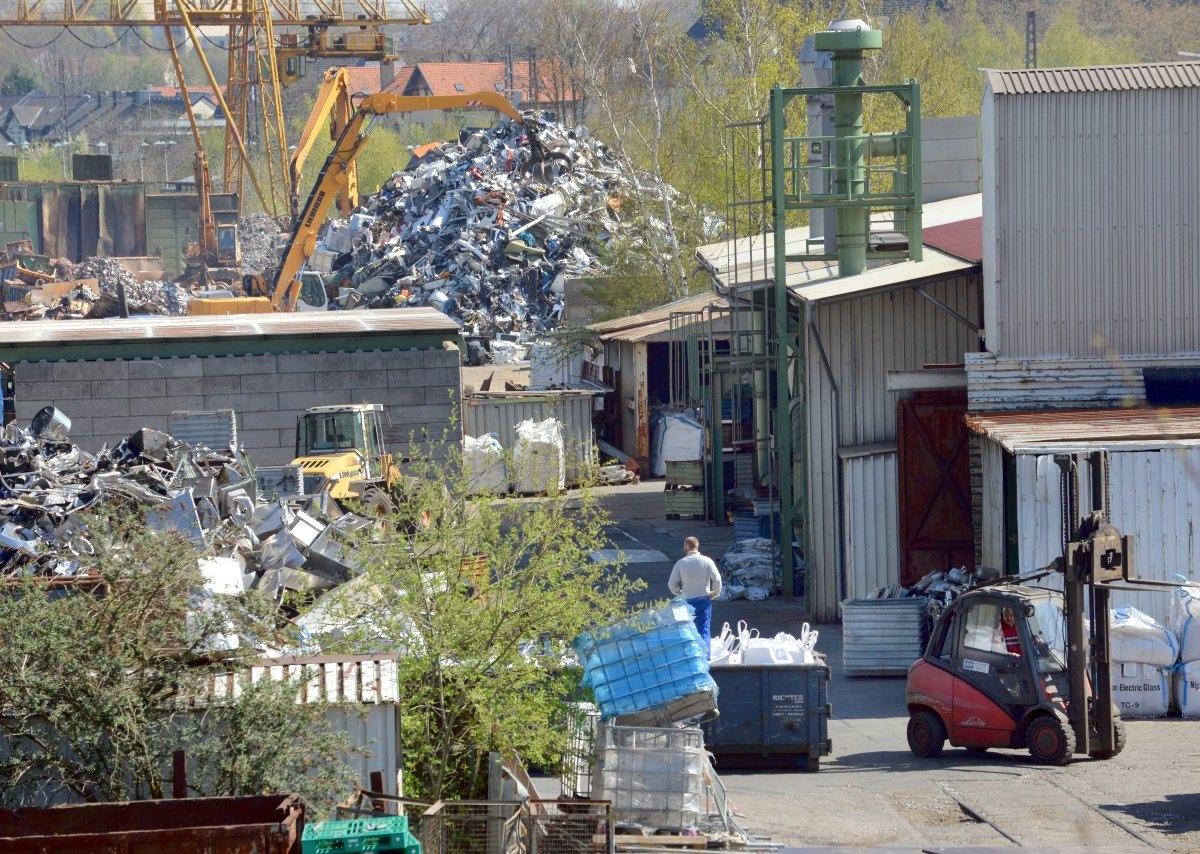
(1140, 690)
(1135, 636)
(1185, 622)
(677, 438)
(539, 462)
(1187, 689)
(483, 459)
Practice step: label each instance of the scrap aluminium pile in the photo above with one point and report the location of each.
(49, 486)
(486, 230)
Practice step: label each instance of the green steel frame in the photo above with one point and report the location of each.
(860, 186)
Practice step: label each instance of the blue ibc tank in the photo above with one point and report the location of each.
(647, 660)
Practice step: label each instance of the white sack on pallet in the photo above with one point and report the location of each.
(1185, 621)
(1140, 690)
(747, 647)
(1187, 689)
(677, 439)
(483, 458)
(539, 461)
(1135, 636)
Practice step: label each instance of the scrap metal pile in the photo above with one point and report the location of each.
(486, 230)
(939, 587)
(211, 497)
(37, 287)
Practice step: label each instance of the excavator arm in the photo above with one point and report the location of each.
(335, 175)
(334, 107)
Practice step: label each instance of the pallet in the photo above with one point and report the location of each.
(630, 841)
(691, 517)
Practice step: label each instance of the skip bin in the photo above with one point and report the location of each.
(771, 712)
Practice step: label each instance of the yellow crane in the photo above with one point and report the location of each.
(253, 56)
(334, 106)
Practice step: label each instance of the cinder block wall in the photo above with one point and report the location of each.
(108, 400)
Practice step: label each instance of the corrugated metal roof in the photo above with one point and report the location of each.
(749, 260)
(888, 277)
(300, 324)
(963, 239)
(1100, 78)
(1014, 430)
(656, 320)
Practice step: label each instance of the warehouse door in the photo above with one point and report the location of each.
(936, 531)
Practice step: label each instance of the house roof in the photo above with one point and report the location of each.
(1045, 430)
(450, 78)
(1101, 78)
(365, 78)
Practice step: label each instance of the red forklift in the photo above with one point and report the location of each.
(1042, 683)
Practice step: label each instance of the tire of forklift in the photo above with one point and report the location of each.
(377, 504)
(1050, 741)
(1118, 738)
(926, 735)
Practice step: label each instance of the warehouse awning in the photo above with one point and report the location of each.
(1051, 430)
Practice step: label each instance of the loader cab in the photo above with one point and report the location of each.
(325, 431)
(312, 295)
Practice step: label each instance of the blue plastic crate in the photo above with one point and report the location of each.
(378, 833)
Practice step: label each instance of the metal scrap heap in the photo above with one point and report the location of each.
(486, 230)
(47, 485)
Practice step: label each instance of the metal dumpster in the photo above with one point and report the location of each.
(770, 714)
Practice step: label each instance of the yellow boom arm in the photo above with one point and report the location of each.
(334, 175)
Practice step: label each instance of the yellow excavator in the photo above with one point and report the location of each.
(294, 289)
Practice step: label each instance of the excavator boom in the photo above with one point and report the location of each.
(336, 174)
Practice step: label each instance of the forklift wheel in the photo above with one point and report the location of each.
(1050, 741)
(926, 734)
(1119, 738)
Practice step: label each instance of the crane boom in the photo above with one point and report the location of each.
(334, 105)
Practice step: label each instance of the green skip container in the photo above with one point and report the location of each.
(771, 715)
(377, 833)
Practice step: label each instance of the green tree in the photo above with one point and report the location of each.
(473, 600)
(103, 675)
(17, 81)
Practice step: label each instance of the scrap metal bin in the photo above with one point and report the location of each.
(771, 713)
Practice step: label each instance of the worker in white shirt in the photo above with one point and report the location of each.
(698, 580)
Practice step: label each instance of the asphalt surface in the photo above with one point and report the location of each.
(872, 793)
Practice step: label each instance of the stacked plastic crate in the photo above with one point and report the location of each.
(378, 834)
(647, 674)
(684, 495)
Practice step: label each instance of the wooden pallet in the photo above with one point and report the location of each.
(686, 517)
(640, 842)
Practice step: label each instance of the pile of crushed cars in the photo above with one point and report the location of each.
(214, 498)
(486, 229)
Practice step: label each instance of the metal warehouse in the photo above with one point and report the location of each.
(113, 377)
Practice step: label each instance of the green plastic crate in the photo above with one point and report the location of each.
(378, 833)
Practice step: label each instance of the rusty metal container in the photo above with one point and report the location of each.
(263, 824)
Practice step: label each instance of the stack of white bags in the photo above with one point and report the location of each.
(1143, 657)
(483, 458)
(1185, 622)
(746, 647)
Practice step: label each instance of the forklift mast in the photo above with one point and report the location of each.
(1094, 554)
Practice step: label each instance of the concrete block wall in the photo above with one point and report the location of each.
(108, 400)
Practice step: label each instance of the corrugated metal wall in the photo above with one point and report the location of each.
(991, 550)
(1155, 497)
(1097, 222)
(863, 340)
(77, 221)
(18, 221)
(501, 415)
(870, 523)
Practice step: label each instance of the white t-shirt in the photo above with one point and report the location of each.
(695, 575)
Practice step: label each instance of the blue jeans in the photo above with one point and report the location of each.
(703, 606)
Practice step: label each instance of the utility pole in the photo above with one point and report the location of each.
(1031, 39)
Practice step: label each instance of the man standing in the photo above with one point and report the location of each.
(696, 577)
